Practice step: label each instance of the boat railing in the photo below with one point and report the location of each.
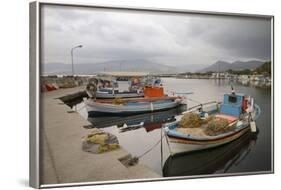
(200, 106)
(258, 112)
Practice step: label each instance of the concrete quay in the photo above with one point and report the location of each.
(62, 159)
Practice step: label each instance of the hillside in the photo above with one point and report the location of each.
(221, 66)
(93, 68)
(264, 68)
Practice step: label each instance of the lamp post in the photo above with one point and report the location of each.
(80, 46)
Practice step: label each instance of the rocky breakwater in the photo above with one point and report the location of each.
(49, 83)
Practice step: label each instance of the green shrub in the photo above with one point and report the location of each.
(118, 101)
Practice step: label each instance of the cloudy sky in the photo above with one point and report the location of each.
(169, 39)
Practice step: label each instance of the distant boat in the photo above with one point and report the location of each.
(154, 100)
(235, 109)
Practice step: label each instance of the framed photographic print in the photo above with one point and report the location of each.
(126, 94)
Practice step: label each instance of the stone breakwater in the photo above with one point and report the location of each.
(49, 83)
(63, 159)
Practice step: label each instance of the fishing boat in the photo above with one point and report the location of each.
(110, 88)
(154, 100)
(209, 161)
(149, 119)
(109, 93)
(238, 111)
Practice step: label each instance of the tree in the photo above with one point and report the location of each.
(264, 68)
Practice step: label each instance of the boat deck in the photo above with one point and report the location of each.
(110, 101)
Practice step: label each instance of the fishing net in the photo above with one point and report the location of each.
(211, 125)
(99, 141)
(118, 101)
(190, 120)
(218, 126)
(97, 138)
(108, 147)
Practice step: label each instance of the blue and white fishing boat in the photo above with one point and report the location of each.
(154, 100)
(131, 106)
(210, 161)
(149, 119)
(239, 110)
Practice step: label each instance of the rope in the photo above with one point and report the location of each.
(161, 149)
(201, 104)
(170, 151)
(184, 93)
(150, 148)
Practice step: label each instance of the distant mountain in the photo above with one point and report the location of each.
(221, 66)
(190, 68)
(141, 65)
(93, 68)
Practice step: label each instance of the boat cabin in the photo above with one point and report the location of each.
(233, 104)
(153, 92)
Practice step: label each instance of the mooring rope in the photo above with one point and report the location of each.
(161, 150)
(143, 154)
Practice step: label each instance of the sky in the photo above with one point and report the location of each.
(166, 38)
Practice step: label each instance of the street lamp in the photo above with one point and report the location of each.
(80, 46)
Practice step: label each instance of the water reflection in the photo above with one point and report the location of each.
(248, 83)
(149, 121)
(216, 160)
(258, 84)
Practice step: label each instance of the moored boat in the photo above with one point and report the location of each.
(210, 161)
(110, 89)
(148, 119)
(131, 106)
(154, 100)
(111, 94)
(237, 115)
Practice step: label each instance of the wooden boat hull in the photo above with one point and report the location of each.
(210, 161)
(178, 146)
(101, 108)
(147, 118)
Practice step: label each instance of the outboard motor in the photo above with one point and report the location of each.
(232, 90)
(91, 90)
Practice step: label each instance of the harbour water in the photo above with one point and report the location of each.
(249, 153)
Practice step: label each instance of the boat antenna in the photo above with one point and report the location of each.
(232, 90)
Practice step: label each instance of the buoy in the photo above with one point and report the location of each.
(206, 115)
(239, 123)
(253, 126)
